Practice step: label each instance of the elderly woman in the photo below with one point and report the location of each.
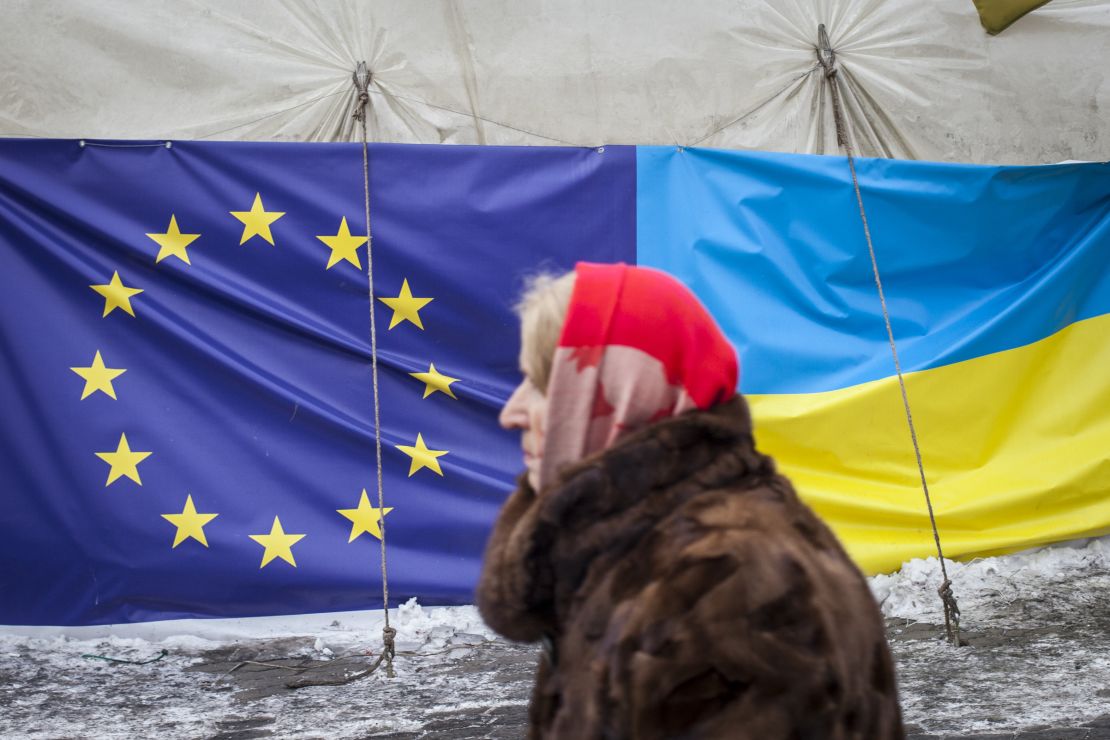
(680, 588)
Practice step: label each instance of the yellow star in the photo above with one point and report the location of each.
(365, 518)
(278, 544)
(189, 523)
(422, 457)
(173, 242)
(435, 381)
(116, 295)
(256, 221)
(405, 307)
(98, 378)
(123, 462)
(343, 246)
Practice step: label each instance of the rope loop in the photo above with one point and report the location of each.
(389, 635)
(360, 107)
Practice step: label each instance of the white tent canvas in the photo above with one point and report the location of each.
(921, 80)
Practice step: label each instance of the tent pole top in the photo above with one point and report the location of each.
(362, 76)
(825, 54)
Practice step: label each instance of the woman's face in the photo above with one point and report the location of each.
(526, 410)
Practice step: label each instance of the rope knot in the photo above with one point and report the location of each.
(360, 106)
(361, 78)
(949, 598)
(825, 54)
(945, 589)
(951, 612)
(389, 649)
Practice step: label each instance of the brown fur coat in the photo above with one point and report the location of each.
(683, 591)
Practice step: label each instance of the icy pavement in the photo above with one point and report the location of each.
(1038, 667)
(1038, 625)
(453, 680)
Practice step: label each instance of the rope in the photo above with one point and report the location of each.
(301, 683)
(161, 144)
(827, 58)
(161, 654)
(362, 82)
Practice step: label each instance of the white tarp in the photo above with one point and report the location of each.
(921, 79)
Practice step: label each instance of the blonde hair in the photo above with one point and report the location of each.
(542, 310)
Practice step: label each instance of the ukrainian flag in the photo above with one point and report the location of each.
(998, 287)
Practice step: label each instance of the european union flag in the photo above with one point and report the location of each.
(188, 413)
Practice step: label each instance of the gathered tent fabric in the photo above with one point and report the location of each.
(919, 80)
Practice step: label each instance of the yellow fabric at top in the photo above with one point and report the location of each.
(1016, 447)
(997, 15)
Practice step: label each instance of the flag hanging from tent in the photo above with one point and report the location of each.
(188, 413)
(998, 285)
(188, 410)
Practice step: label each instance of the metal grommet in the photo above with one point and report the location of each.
(82, 143)
(169, 144)
(601, 150)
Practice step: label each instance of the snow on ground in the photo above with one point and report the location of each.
(1039, 627)
(1038, 624)
(988, 588)
(448, 667)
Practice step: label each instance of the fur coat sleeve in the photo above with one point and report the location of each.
(514, 593)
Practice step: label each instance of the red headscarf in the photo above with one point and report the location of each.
(637, 347)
